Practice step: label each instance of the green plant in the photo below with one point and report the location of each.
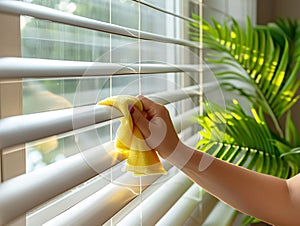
(266, 59)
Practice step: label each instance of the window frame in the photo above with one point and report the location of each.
(13, 158)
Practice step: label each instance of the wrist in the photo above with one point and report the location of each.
(167, 148)
(180, 156)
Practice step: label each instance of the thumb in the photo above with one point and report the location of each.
(140, 121)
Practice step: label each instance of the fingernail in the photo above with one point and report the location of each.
(130, 109)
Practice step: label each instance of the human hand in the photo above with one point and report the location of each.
(156, 126)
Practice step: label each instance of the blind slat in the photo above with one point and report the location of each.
(165, 11)
(26, 128)
(14, 67)
(199, 214)
(221, 214)
(183, 208)
(45, 13)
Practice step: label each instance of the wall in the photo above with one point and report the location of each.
(268, 10)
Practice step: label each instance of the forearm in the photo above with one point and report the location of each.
(259, 195)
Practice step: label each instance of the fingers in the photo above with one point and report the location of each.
(158, 132)
(147, 103)
(156, 127)
(154, 131)
(152, 108)
(140, 121)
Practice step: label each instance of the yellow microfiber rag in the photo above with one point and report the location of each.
(130, 142)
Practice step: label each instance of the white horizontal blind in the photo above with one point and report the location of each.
(149, 53)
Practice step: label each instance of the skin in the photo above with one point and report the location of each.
(271, 199)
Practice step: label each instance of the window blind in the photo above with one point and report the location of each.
(90, 187)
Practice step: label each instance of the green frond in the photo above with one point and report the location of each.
(246, 140)
(277, 33)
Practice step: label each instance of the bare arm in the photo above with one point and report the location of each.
(268, 198)
(265, 197)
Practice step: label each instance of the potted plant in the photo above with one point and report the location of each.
(266, 59)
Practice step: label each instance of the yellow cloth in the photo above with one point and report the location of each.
(130, 142)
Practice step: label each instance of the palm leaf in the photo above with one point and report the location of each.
(268, 57)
